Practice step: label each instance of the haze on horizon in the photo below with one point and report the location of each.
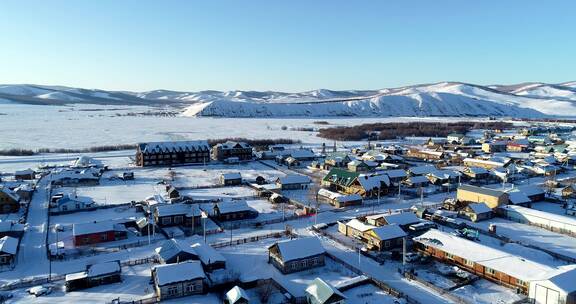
(284, 46)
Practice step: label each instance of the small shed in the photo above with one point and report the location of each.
(320, 292)
(477, 212)
(230, 179)
(236, 295)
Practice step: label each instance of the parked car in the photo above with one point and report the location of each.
(40, 290)
(412, 257)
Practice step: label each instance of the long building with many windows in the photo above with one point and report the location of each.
(172, 153)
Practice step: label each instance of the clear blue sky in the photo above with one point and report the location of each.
(284, 45)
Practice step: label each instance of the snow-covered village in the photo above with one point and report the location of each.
(485, 216)
(287, 152)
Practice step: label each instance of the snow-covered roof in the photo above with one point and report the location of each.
(484, 162)
(388, 232)
(404, 218)
(479, 208)
(99, 269)
(518, 197)
(418, 179)
(233, 206)
(395, 173)
(421, 170)
(236, 294)
(564, 278)
(373, 181)
(174, 146)
(322, 291)
(329, 194)
(24, 172)
(541, 215)
(96, 227)
(9, 245)
(294, 179)
(173, 273)
(348, 198)
(490, 257)
(205, 252)
(481, 190)
(231, 175)
(11, 194)
(172, 247)
(529, 190)
(178, 209)
(358, 225)
(299, 248)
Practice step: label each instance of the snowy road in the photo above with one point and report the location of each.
(32, 256)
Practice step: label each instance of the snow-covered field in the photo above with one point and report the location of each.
(75, 127)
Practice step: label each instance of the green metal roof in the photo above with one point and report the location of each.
(341, 177)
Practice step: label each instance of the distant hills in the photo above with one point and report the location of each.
(527, 100)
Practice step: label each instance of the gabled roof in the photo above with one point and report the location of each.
(206, 253)
(178, 209)
(9, 245)
(341, 177)
(235, 294)
(373, 181)
(481, 190)
(11, 194)
(395, 173)
(359, 226)
(232, 175)
(172, 247)
(294, 179)
(299, 248)
(173, 273)
(322, 291)
(96, 227)
(233, 206)
(388, 232)
(404, 218)
(479, 208)
(421, 170)
(174, 146)
(487, 256)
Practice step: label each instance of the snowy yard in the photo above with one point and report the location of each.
(223, 193)
(135, 285)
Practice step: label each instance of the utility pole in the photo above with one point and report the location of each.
(148, 227)
(403, 255)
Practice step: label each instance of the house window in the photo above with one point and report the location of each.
(449, 256)
(166, 221)
(103, 237)
(178, 219)
(387, 244)
(172, 290)
(468, 263)
(490, 271)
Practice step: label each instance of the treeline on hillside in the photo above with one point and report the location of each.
(258, 144)
(394, 130)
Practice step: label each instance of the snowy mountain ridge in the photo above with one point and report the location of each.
(437, 99)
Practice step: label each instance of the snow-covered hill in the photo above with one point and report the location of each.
(439, 99)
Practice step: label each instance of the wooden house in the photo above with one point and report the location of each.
(94, 275)
(477, 212)
(366, 185)
(178, 280)
(297, 254)
(293, 182)
(233, 211)
(501, 267)
(403, 219)
(8, 249)
(172, 153)
(9, 200)
(231, 179)
(27, 174)
(240, 150)
(210, 258)
(175, 251)
(166, 215)
(98, 232)
(473, 194)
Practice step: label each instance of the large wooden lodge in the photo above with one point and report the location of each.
(172, 153)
